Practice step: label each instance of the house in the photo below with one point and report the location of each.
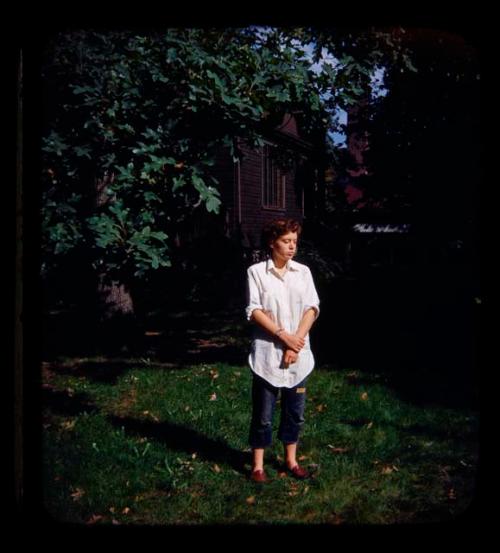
(374, 237)
(260, 186)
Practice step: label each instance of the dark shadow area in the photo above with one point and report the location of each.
(173, 436)
(179, 337)
(416, 330)
(105, 372)
(413, 323)
(66, 403)
(441, 433)
(355, 423)
(190, 313)
(414, 334)
(187, 440)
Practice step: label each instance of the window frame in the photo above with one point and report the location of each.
(269, 166)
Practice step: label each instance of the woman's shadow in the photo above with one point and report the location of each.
(188, 440)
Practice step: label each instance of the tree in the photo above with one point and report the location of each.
(133, 122)
(423, 134)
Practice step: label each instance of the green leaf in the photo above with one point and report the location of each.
(227, 100)
(151, 196)
(213, 204)
(82, 151)
(159, 235)
(125, 173)
(200, 185)
(83, 89)
(120, 213)
(409, 64)
(171, 55)
(216, 78)
(178, 183)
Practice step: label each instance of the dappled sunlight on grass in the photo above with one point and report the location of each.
(156, 444)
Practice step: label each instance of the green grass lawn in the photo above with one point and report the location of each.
(145, 443)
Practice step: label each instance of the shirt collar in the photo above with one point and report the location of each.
(291, 265)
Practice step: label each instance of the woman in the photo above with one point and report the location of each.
(283, 302)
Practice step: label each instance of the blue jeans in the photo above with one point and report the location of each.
(264, 396)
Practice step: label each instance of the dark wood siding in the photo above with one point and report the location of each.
(243, 214)
(253, 214)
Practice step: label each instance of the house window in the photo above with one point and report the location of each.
(273, 181)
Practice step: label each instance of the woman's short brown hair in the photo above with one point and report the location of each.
(276, 228)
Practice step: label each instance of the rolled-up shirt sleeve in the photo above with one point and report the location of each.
(311, 295)
(253, 295)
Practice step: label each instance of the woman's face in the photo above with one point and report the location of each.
(285, 246)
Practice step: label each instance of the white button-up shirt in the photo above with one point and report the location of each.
(284, 298)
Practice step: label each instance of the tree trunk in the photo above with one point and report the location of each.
(115, 299)
(118, 328)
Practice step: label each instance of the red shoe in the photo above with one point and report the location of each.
(298, 472)
(258, 476)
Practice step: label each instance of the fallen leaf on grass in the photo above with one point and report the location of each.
(94, 518)
(321, 407)
(250, 500)
(152, 415)
(217, 468)
(364, 396)
(338, 449)
(369, 425)
(77, 494)
(126, 511)
(335, 519)
(213, 397)
(388, 469)
(67, 425)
